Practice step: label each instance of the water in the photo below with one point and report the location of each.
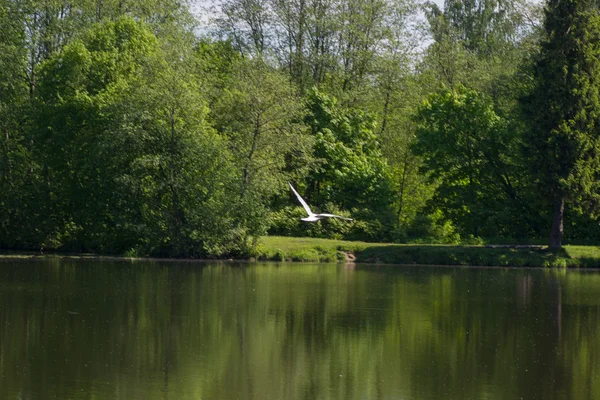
(121, 330)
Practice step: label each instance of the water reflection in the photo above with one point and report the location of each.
(84, 330)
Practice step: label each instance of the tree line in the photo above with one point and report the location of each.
(129, 127)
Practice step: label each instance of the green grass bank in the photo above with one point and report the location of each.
(277, 248)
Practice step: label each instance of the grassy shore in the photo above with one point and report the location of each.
(277, 248)
(325, 250)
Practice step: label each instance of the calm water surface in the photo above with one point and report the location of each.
(120, 330)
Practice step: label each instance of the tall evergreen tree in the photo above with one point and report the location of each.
(564, 110)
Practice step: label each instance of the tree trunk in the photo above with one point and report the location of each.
(556, 232)
(402, 185)
(385, 112)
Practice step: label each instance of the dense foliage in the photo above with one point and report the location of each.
(564, 105)
(132, 128)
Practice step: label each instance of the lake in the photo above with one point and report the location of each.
(73, 329)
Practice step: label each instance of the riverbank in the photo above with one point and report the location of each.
(325, 250)
(278, 248)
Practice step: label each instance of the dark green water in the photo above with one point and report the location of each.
(119, 330)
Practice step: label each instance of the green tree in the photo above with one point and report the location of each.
(130, 156)
(564, 110)
(259, 115)
(466, 147)
(394, 99)
(248, 24)
(350, 170)
(216, 63)
(19, 176)
(317, 42)
(78, 153)
(477, 43)
(484, 26)
(180, 175)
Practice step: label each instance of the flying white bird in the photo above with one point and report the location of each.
(312, 217)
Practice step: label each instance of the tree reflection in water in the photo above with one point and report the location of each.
(117, 330)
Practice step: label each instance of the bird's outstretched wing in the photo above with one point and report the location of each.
(306, 207)
(333, 216)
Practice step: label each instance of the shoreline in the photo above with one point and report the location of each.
(352, 264)
(289, 249)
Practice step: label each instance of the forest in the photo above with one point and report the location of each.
(165, 128)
